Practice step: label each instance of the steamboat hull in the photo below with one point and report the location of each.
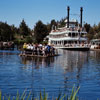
(74, 48)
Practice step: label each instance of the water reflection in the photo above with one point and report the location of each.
(73, 63)
(66, 68)
(38, 61)
(68, 60)
(95, 58)
(95, 55)
(54, 74)
(73, 59)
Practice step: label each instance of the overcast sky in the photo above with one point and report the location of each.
(13, 11)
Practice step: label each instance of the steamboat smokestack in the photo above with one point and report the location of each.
(81, 13)
(68, 16)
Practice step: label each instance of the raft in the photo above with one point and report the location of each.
(30, 55)
(37, 53)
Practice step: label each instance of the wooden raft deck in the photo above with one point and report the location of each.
(30, 55)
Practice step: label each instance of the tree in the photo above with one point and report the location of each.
(91, 33)
(23, 29)
(99, 27)
(40, 31)
(87, 27)
(6, 33)
(48, 27)
(97, 35)
(62, 22)
(53, 24)
(15, 31)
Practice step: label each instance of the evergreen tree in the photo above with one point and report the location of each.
(91, 33)
(87, 27)
(6, 33)
(48, 27)
(99, 27)
(15, 31)
(95, 28)
(40, 31)
(53, 24)
(23, 29)
(62, 22)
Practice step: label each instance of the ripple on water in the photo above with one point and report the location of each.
(55, 74)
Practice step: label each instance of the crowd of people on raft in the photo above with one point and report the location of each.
(39, 49)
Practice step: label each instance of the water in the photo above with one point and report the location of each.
(55, 74)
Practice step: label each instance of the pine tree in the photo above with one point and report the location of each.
(40, 31)
(23, 29)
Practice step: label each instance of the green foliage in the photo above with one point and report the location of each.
(95, 28)
(97, 36)
(62, 22)
(40, 32)
(91, 33)
(0, 95)
(24, 34)
(90, 36)
(28, 39)
(44, 42)
(53, 24)
(24, 96)
(22, 41)
(94, 32)
(6, 33)
(73, 94)
(98, 27)
(60, 97)
(19, 41)
(23, 29)
(43, 96)
(87, 27)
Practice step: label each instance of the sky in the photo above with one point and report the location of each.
(14, 11)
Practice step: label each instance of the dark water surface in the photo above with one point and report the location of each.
(55, 74)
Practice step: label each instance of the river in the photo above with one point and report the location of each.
(55, 74)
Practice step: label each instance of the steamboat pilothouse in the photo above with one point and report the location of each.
(71, 37)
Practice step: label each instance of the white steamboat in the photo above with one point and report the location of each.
(70, 37)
